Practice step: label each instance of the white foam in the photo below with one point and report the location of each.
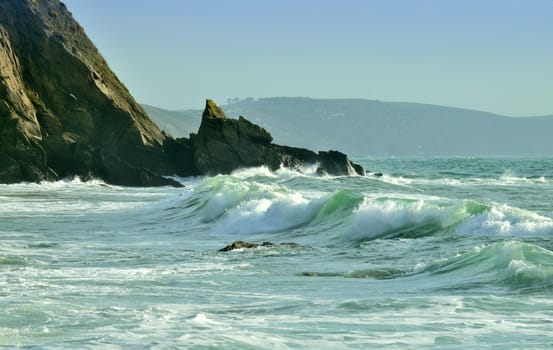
(226, 197)
(286, 173)
(201, 318)
(506, 221)
(282, 211)
(246, 173)
(73, 197)
(452, 182)
(521, 268)
(510, 180)
(376, 216)
(505, 180)
(398, 181)
(282, 173)
(52, 185)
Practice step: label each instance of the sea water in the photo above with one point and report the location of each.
(434, 254)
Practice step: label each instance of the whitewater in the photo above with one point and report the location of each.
(434, 254)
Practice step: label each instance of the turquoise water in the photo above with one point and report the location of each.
(435, 254)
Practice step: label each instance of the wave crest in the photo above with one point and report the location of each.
(385, 217)
(416, 216)
(502, 220)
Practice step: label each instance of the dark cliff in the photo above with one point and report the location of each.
(64, 113)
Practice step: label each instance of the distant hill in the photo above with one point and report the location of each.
(374, 128)
(176, 123)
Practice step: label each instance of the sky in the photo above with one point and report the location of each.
(490, 55)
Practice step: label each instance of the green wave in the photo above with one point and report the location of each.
(511, 264)
(410, 217)
(339, 204)
(264, 204)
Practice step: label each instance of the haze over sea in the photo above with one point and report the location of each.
(435, 254)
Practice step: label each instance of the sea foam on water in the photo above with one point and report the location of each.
(444, 260)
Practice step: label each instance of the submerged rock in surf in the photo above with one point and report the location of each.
(247, 245)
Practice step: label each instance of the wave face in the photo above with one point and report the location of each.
(513, 264)
(436, 253)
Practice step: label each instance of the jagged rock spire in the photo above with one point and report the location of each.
(213, 111)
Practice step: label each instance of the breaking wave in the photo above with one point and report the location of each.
(256, 200)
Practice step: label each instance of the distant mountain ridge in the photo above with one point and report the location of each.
(176, 123)
(373, 128)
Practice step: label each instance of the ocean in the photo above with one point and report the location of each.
(435, 254)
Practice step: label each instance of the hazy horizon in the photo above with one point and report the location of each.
(489, 56)
(227, 102)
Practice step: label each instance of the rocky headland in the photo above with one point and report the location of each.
(64, 113)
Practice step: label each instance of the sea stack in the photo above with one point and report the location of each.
(224, 144)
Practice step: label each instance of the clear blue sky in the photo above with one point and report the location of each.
(492, 55)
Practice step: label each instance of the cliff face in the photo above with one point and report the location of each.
(62, 110)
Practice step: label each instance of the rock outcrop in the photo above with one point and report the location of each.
(64, 113)
(337, 163)
(223, 145)
(237, 245)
